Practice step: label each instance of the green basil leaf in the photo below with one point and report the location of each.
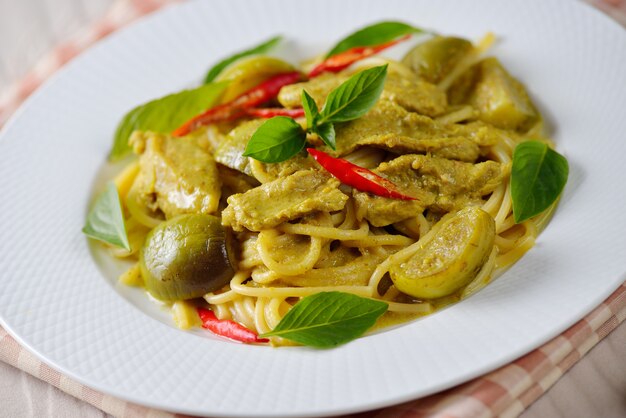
(375, 34)
(255, 50)
(310, 109)
(164, 115)
(354, 97)
(326, 131)
(105, 221)
(278, 139)
(328, 319)
(538, 176)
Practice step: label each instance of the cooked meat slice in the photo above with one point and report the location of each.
(454, 148)
(410, 93)
(388, 118)
(318, 87)
(414, 95)
(230, 153)
(282, 200)
(176, 175)
(438, 184)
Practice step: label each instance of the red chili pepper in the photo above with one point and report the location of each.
(346, 58)
(358, 177)
(271, 112)
(227, 328)
(235, 109)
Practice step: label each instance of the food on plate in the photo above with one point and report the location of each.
(304, 204)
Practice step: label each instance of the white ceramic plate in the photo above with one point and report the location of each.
(59, 298)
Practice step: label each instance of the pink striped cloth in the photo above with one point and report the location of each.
(506, 392)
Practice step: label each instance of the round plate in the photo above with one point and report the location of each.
(58, 301)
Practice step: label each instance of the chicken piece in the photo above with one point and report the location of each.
(387, 120)
(437, 184)
(410, 93)
(283, 199)
(176, 175)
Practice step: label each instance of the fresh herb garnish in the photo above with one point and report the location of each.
(255, 50)
(328, 319)
(105, 221)
(280, 138)
(375, 34)
(355, 97)
(538, 177)
(164, 115)
(310, 109)
(326, 131)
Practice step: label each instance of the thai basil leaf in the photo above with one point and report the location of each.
(538, 176)
(310, 109)
(105, 221)
(328, 319)
(327, 133)
(375, 34)
(164, 115)
(255, 50)
(278, 139)
(354, 97)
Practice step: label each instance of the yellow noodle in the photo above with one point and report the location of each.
(366, 157)
(483, 277)
(260, 316)
(325, 232)
(504, 211)
(509, 258)
(258, 171)
(227, 296)
(493, 204)
(266, 242)
(222, 310)
(237, 285)
(459, 115)
(423, 308)
(379, 240)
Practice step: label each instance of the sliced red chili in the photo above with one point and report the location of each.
(358, 177)
(235, 109)
(346, 58)
(278, 111)
(227, 328)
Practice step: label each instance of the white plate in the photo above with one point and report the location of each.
(57, 301)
